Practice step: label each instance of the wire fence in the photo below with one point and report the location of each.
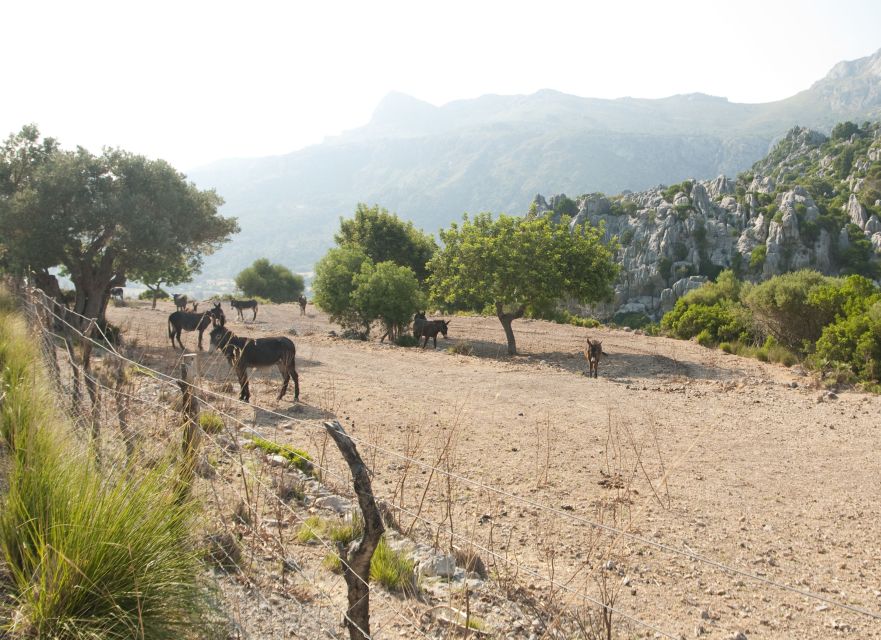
(127, 403)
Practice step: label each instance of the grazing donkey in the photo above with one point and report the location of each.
(238, 305)
(186, 321)
(249, 353)
(593, 352)
(180, 301)
(430, 329)
(302, 302)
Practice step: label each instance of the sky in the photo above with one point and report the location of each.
(192, 82)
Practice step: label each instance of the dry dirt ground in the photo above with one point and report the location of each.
(690, 450)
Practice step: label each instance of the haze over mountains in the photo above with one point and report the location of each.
(494, 153)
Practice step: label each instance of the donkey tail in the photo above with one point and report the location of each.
(170, 329)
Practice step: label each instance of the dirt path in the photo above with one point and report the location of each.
(682, 445)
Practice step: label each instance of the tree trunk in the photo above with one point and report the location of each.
(155, 294)
(506, 319)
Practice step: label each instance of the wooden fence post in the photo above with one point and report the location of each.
(356, 559)
(192, 434)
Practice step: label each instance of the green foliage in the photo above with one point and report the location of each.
(211, 422)
(335, 283)
(627, 236)
(273, 282)
(859, 257)
(515, 263)
(713, 313)
(297, 457)
(147, 294)
(565, 206)
(387, 292)
(665, 267)
(781, 307)
(632, 319)
(383, 237)
(757, 258)
(87, 554)
(392, 569)
(844, 130)
(101, 218)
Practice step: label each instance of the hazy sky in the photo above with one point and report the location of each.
(193, 81)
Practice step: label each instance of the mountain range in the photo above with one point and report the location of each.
(494, 153)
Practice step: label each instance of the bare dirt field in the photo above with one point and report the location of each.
(693, 454)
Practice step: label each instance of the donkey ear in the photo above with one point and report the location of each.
(589, 342)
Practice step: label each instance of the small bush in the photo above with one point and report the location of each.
(632, 319)
(332, 563)
(726, 347)
(462, 349)
(297, 457)
(392, 569)
(705, 338)
(407, 340)
(311, 529)
(211, 422)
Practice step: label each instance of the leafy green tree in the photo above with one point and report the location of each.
(99, 218)
(514, 263)
(155, 276)
(382, 236)
(389, 293)
(271, 281)
(335, 283)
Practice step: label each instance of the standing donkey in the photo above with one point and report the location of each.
(593, 352)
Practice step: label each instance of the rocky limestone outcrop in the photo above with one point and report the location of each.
(670, 245)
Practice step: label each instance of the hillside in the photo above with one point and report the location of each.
(813, 202)
(430, 164)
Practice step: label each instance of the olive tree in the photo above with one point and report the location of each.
(271, 281)
(512, 263)
(99, 218)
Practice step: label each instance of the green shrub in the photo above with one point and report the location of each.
(211, 422)
(407, 340)
(462, 349)
(392, 569)
(726, 347)
(632, 319)
(705, 338)
(86, 554)
(781, 308)
(757, 258)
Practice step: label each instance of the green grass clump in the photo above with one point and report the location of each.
(346, 532)
(311, 529)
(297, 457)
(210, 422)
(462, 349)
(86, 554)
(392, 569)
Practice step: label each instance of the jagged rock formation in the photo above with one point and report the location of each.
(813, 202)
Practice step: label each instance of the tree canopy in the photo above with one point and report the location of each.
(382, 236)
(100, 218)
(514, 263)
(274, 282)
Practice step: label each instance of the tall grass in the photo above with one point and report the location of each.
(85, 554)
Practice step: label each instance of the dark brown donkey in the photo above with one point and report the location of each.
(186, 321)
(250, 353)
(593, 352)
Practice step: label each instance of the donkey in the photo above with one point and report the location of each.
(429, 329)
(180, 301)
(418, 322)
(186, 321)
(116, 293)
(593, 352)
(249, 353)
(238, 305)
(302, 302)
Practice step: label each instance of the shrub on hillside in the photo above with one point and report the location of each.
(782, 308)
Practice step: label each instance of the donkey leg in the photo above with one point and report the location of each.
(242, 374)
(296, 378)
(177, 335)
(201, 331)
(285, 377)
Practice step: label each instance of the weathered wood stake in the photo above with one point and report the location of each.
(192, 434)
(356, 559)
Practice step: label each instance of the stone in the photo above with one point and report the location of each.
(334, 503)
(856, 212)
(441, 566)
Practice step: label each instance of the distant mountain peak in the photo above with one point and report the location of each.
(869, 66)
(396, 108)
